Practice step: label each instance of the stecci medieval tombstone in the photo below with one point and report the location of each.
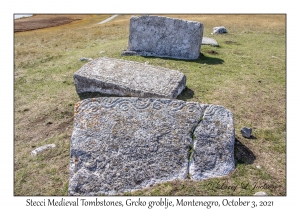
(164, 37)
(128, 78)
(124, 144)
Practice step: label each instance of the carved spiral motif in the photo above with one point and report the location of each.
(124, 106)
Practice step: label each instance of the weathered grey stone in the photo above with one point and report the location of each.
(128, 78)
(41, 149)
(85, 59)
(261, 194)
(219, 30)
(210, 41)
(246, 132)
(165, 37)
(214, 144)
(128, 53)
(124, 144)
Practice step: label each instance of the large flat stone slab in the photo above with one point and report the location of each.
(124, 144)
(165, 37)
(128, 78)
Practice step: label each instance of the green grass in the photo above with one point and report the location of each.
(246, 74)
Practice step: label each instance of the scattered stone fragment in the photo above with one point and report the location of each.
(85, 59)
(246, 132)
(258, 166)
(128, 78)
(261, 194)
(123, 144)
(41, 149)
(210, 41)
(219, 30)
(164, 37)
(128, 53)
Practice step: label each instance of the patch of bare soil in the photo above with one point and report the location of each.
(212, 52)
(43, 21)
(44, 127)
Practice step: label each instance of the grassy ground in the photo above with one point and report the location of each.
(246, 74)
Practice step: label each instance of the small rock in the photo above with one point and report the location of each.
(128, 53)
(209, 41)
(261, 194)
(246, 132)
(258, 166)
(42, 148)
(219, 30)
(85, 59)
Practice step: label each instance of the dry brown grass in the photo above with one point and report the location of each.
(240, 23)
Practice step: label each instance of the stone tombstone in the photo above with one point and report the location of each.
(124, 144)
(164, 37)
(128, 78)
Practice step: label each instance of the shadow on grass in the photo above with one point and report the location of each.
(86, 95)
(187, 93)
(242, 154)
(203, 59)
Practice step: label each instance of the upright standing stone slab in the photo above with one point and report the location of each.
(128, 78)
(124, 144)
(165, 37)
